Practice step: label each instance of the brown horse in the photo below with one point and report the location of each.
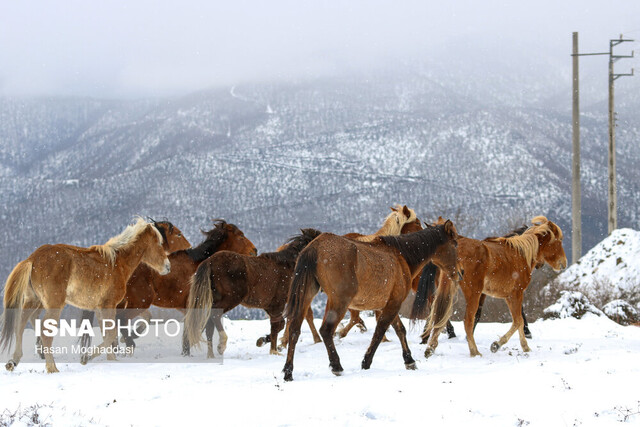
(228, 279)
(426, 293)
(401, 220)
(364, 276)
(409, 223)
(172, 240)
(91, 278)
(501, 268)
(146, 287)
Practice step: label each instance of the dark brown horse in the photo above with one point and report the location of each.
(91, 278)
(364, 276)
(401, 220)
(146, 287)
(228, 279)
(501, 268)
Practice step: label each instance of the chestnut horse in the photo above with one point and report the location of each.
(364, 276)
(146, 287)
(228, 279)
(426, 293)
(500, 267)
(91, 278)
(172, 240)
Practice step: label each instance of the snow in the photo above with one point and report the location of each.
(560, 382)
(609, 270)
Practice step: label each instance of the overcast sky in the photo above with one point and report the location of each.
(157, 48)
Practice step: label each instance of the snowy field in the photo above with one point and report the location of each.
(580, 372)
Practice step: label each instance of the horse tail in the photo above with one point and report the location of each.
(199, 303)
(304, 282)
(443, 304)
(426, 289)
(14, 293)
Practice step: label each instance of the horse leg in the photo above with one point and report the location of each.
(515, 307)
(208, 332)
(409, 363)
(293, 327)
(354, 319)
(277, 324)
(334, 312)
(222, 335)
(384, 337)
(479, 312)
(312, 326)
(47, 342)
(387, 315)
(527, 332)
(470, 317)
(451, 333)
(109, 335)
(25, 315)
(34, 316)
(426, 333)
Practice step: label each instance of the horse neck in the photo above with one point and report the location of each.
(204, 250)
(416, 250)
(128, 259)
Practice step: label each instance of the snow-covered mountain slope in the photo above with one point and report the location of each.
(331, 154)
(609, 271)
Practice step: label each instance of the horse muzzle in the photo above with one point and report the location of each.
(167, 268)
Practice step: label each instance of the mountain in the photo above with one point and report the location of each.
(331, 153)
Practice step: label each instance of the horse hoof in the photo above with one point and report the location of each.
(261, 341)
(336, 372)
(452, 335)
(362, 328)
(52, 370)
(10, 365)
(527, 335)
(210, 355)
(495, 346)
(221, 349)
(428, 352)
(411, 366)
(288, 376)
(84, 359)
(425, 339)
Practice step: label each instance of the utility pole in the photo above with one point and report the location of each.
(613, 192)
(576, 196)
(576, 192)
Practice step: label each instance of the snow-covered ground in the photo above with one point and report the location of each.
(579, 372)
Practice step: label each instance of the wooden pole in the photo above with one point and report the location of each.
(576, 199)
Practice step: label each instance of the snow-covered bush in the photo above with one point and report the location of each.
(570, 304)
(621, 312)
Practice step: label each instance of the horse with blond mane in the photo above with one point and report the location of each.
(500, 267)
(91, 278)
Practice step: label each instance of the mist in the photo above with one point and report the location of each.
(122, 49)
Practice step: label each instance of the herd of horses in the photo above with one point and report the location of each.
(151, 263)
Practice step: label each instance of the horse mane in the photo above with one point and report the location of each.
(214, 238)
(287, 254)
(527, 243)
(418, 246)
(125, 239)
(392, 225)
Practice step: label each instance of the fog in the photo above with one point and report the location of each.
(151, 48)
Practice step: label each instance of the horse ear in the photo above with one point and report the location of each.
(450, 229)
(393, 209)
(406, 212)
